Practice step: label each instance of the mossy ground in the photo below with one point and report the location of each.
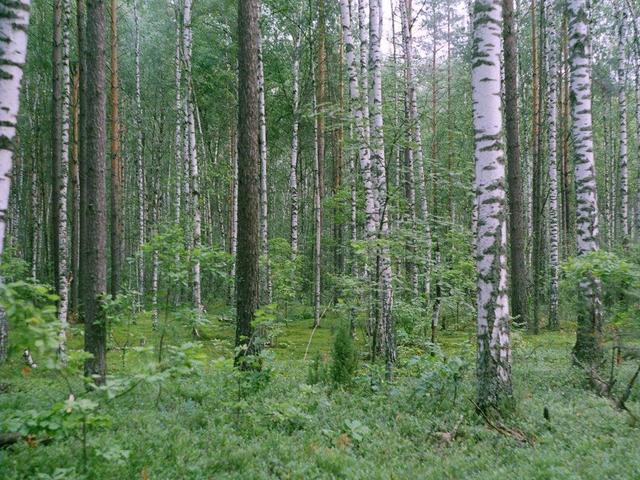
(200, 427)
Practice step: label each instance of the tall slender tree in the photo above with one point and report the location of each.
(61, 133)
(517, 216)
(117, 226)
(139, 154)
(293, 171)
(267, 290)
(588, 346)
(622, 101)
(95, 202)
(494, 348)
(386, 327)
(247, 270)
(14, 23)
(552, 132)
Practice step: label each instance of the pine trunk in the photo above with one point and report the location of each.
(517, 216)
(247, 270)
(117, 226)
(95, 207)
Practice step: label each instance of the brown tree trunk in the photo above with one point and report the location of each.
(247, 269)
(116, 162)
(517, 219)
(536, 257)
(94, 209)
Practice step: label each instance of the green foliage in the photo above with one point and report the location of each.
(344, 357)
(318, 370)
(284, 273)
(13, 268)
(619, 281)
(31, 305)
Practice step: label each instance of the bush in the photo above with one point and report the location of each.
(343, 356)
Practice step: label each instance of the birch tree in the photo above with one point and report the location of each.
(264, 194)
(139, 156)
(61, 133)
(14, 24)
(494, 349)
(589, 326)
(293, 170)
(192, 156)
(178, 112)
(552, 131)
(386, 326)
(623, 152)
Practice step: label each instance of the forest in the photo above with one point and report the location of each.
(341, 239)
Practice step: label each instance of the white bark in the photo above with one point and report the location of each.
(178, 128)
(264, 194)
(551, 54)
(317, 215)
(14, 23)
(139, 159)
(494, 349)
(622, 100)
(357, 112)
(371, 205)
(293, 174)
(581, 129)
(233, 229)
(385, 323)
(587, 346)
(192, 157)
(637, 88)
(414, 138)
(63, 180)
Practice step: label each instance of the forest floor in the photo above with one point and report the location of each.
(218, 423)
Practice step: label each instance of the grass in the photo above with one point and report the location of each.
(200, 427)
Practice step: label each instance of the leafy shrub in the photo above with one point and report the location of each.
(343, 356)
(619, 281)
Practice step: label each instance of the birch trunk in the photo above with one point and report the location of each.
(139, 159)
(178, 128)
(14, 23)
(385, 321)
(371, 205)
(359, 110)
(264, 193)
(293, 171)
(637, 87)
(551, 48)
(233, 228)
(410, 190)
(416, 135)
(588, 346)
(494, 349)
(62, 99)
(622, 101)
(317, 214)
(357, 116)
(193, 158)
